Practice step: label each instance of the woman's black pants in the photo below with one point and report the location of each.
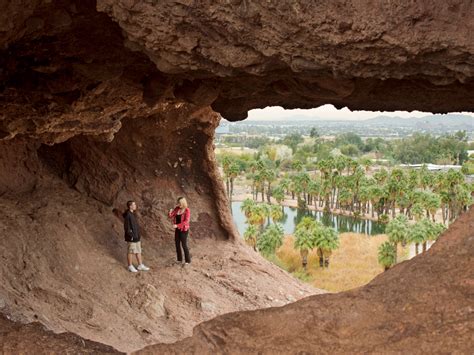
(181, 239)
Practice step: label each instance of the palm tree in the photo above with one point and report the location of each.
(251, 236)
(304, 181)
(304, 242)
(247, 206)
(314, 190)
(417, 211)
(232, 172)
(397, 230)
(387, 255)
(375, 193)
(304, 238)
(278, 194)
(271, 239)
(268, 175)
(366, 163)
(226, 163)
(276, 213)
(326, 240)
(417, 235)
(432, 229)
(297, 165)
(431, 202)
(258, 214)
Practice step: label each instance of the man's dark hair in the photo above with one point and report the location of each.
(129, 203)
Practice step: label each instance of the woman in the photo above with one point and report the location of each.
(181, 217)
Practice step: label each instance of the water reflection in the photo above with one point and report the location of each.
(292, 216)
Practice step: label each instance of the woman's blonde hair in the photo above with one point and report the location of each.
(182, 202)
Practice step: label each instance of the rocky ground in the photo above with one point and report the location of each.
(63, 264)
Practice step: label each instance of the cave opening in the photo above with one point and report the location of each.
(281, 159)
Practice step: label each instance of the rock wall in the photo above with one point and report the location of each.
(109, 100)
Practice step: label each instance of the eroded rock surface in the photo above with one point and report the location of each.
(101, 102)
(35, 339)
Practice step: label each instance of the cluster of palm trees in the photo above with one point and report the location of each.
(400, 231)
(265, 240)
(312, 234)
(345, 184)
(309, 234)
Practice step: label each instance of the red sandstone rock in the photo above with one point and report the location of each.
(74, 74)
(34, 339)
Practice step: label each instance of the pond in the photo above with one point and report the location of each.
(292, 216)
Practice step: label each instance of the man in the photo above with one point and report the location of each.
(132, 237)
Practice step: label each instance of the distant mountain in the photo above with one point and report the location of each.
(459, 121)
(432, 120)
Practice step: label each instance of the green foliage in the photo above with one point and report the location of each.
(292, 140)
(351, 139)
(247, 206)
(278, 193)
(417, 233)
(387, 255)
(258, 213)
(383, 218)
(251, 235)
(432, 229)
(270, 240)
(397, 230)
(276, 213)
(326, 238)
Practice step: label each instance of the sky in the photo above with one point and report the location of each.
(329, 112)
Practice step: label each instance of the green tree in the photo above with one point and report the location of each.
(314, 133)
(276, 213)
(246, 207)
(278, 194)
(292, 140)
(326, 240)
(251, 236)
(387, 255)
(397, 230)
(305, 239)
(417, 235)
(270, 240)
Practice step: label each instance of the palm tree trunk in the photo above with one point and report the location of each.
(416, 248)
(396, 252)
(424, 247)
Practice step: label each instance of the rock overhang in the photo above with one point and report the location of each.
(78, 68)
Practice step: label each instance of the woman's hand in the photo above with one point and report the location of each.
(175, 226)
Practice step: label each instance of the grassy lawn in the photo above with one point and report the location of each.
(352, 265)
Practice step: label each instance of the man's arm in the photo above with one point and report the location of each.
(129, 227)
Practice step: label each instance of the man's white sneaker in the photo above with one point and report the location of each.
(142, 267)
(131, 268)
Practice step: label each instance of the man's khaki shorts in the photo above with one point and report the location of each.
(135, 248)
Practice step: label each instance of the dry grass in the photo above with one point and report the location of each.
(352, 265)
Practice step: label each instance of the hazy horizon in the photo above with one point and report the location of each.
(330, 113)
